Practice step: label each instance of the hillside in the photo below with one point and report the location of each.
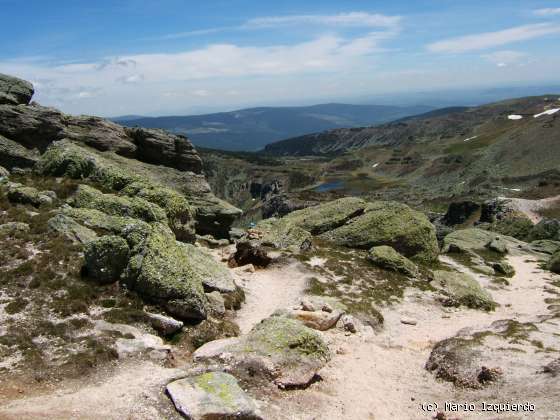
(252, 129)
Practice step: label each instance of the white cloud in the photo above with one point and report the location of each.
(505, 58)
(131, 79)
(341, 20)
(352, 19)
(547, 12)
(493, 39)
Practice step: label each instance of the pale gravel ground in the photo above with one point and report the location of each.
(371, 376)
(531, 208)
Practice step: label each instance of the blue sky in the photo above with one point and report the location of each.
(114, 57)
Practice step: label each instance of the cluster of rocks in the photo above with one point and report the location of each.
(27, 130)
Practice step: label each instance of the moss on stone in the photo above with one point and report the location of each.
(285, 337)
(106, 258)
(462, 289)
(282, 234)
(163, 272)
(386, 257)
(389, 223)
(114, 205)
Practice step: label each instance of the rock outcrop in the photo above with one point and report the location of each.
(278, 350)
(462, 289)
(155, 165)
(507, 351)
(14, 91)
(212, 395)
(355, 223)
(386, 257)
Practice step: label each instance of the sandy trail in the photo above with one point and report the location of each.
(278, 287)
(532, 208)
(382, 376)
(133, 390)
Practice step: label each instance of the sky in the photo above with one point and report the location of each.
(163, 57)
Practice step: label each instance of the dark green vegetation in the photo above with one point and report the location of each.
(252, 129)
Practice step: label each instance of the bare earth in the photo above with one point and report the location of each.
(372, 375)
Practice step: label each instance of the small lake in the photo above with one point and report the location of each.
(330, 186)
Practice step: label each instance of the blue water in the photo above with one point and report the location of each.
(330, 186)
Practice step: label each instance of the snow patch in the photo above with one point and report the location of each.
(547, 112)
(375, 165)
(514, 117)
(473, 137)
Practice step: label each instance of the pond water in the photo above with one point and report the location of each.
(330, 186)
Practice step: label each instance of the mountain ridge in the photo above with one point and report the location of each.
(250, 129)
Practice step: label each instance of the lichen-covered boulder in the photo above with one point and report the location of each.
(515, 225)
(114, 205)
(4, 173)
(389, 223)
(213, 275)
(278, 350)
(70, 229)
(14, 155)
(281, 234)
(212, 395)
(135, 231)
(21, 194)
(106, 258)
(545, 246)
(162, 272)
(504, 268)
(497, 245)
(13, 227)
(386, 257)
(507, 351)
(546, 229)
(554, 263)
(465, 240)
(14, 91)
(327, 216)
(462, 289)
(64, 158)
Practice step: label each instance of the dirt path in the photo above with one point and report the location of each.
(382, 376)
(532, 208)
(278, 287)
(132, 390)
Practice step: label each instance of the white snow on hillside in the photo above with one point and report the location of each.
(547, 112)
(514, 117)
(471, 138)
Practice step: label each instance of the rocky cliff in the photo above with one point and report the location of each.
(28, 130)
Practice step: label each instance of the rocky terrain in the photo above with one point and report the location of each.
(125, 292)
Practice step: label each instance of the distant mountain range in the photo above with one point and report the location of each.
(252, 129)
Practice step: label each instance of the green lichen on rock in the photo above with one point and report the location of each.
(65, 158)
(389, 223)
(14, 155)
(327, 216)
(20, 194)
(386, 257)
(285, 338)
(213, 275)
(462, 289)
(70, 229)
(474, 239)
(4, 173)
(106, 258)
(135, 231)
(282, 234)
(13, 227)
(504, 268)
(546, 246)
(114, 205)
(212, 395)
(554, 263)
(176, 206)
(516, 226)
(162, 272)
